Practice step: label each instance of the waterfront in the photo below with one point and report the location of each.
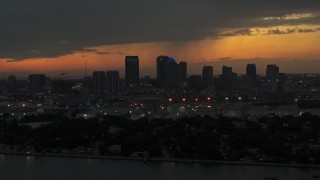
(14, 167)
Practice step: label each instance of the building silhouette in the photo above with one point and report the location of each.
(36, 82)
(228, 79)
(272, 72)
(99, 82)
(132, 70)
(226, 70)
(251, 71)
(167, 75)
(182, 72)
(207, 76)
(12, 84)
(112, 83)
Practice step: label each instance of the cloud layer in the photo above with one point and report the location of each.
(46, 28)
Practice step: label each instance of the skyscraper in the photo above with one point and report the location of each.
(12, 84)
(132, 70)
(272, 72)
(167, 75)
(207, 76)
(228, 79)
(226, 70)
(252, 71)
(99, 82)
(36, 82)
(182, 72)
(112, 82)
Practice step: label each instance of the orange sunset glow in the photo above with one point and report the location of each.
(295, 46)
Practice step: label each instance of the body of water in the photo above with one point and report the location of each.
(14, 167)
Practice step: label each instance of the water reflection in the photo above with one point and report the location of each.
(52, 168)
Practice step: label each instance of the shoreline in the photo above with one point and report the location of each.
(163, 160)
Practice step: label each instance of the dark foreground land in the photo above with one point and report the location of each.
(285, 140)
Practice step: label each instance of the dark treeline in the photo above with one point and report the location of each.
(269, 139)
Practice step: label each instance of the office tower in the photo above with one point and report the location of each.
(252, 71)
(226, 70)
(194, 82)
(36, 82)
(207, 76)
(112, 82)
(12, 84)
(132, 70)
(167, 75)
(228, 79)
(182, 72)
(272, 72)
(99, 82)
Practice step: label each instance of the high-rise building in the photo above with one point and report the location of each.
(112, 81)
(12, 84)
(132, 70)
(272, 72)
(252, 71)
(226, 70)
(99, 82)
(167, 75)
(207, 76)
(182, 72)
(228, 79)
(36, 82)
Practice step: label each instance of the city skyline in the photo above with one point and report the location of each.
(192, 69)
(266, 32)
(155, 89)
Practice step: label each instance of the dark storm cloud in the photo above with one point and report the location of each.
(46, 28)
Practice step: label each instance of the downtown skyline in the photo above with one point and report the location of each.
(44, 37)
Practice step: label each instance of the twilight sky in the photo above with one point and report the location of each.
(46, 36)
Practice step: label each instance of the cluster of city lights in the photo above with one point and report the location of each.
(185, 99)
